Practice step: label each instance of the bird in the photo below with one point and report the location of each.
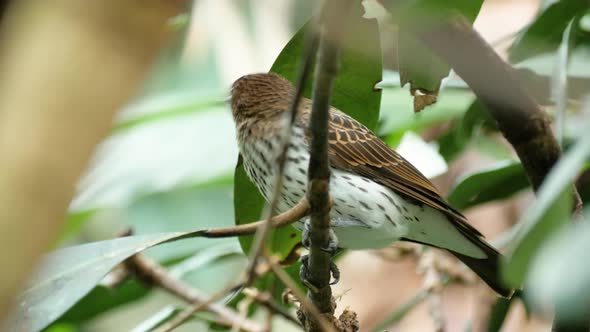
(378, 196)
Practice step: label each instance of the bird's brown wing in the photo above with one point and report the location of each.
(353, 147)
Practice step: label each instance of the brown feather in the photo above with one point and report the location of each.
(353, 147)
(363, 153)
(265, 98)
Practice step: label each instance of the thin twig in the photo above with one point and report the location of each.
(333, 14)
(416, 299)
(266, 300)
(191, 310)
(155, 274)
(288, 217)
(263, 229)
(243, 307)
(284, 278)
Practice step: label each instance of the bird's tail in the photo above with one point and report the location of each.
(488, 270)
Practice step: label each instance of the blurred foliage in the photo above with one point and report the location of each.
(544, 34)
(417, 64)
(550, 287)
(169, 163)
(548, 214)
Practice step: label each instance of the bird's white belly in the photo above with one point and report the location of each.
(365, 214)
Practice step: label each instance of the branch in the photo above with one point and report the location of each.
(189, 311)
(333, 14)
(297, 212)
(288, 217)
(524, 124)
(310, 308)
(267, 301)
(154, 274)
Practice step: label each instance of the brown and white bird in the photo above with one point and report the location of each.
(378, 196)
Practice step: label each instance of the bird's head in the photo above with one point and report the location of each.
(260, 96)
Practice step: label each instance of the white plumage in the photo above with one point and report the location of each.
(365, 214)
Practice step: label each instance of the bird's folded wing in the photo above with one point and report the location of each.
(353, 147)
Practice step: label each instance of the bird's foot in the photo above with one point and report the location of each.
(304, 274)
(331, 248)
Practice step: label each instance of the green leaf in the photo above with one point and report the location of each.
(417, 64)
(497, 182)
(499, 312)
(62, 328)
(101, 299)
(151, 151)
(555, 216)
(353, 93)
(559, 277)
(248, 208)
(455, 140)
(548, 214)
(66, 275)
(360, 68)
(248, 204)
(545, 33)
(157, 108)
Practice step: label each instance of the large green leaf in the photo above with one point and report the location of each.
(548, 214)
(353, 93)
(417, 64)
(545, 33)
(156, 153)
(201, 271)
(66, 275)
(559, 275)
(360, 68)
(497, 182)
(101, 299)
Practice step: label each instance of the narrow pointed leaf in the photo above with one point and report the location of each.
(549, 212)
(497, 182)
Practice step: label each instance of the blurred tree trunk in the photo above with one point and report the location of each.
(66, 67)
